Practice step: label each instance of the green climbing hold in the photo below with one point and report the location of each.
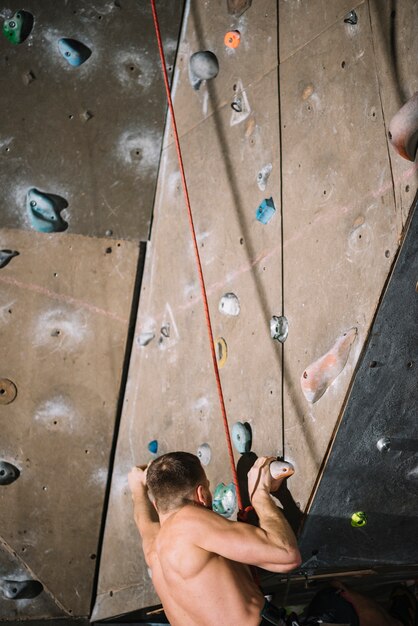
(18, 27)
(224, 499)
(358, 519)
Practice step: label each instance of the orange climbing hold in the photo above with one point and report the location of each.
(321, 373)
(232, 39)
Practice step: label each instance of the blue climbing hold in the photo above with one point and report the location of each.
(153, 446)
(73, 51)
(225, 499)
(242, 437)
(265, 211)
(44, 211)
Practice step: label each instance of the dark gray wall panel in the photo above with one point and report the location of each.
(104, 166)
(383, 403)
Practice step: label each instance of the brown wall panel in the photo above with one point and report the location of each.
(91, 134)
(65, 303)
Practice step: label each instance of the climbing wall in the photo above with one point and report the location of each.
(299, 202)
(80, 136)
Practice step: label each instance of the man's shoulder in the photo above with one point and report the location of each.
(191, 517)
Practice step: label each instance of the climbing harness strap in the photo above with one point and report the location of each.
(197, 255)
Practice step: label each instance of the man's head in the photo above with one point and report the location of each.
(176, 479)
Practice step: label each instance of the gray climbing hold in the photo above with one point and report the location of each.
(225, 499)
(351, 18)
(263, 176)
(8, 473)
(242, 437)
(202, 66)
(229, 304)
(279, 328)
(204, 453)
(20, 589)
(6, 256)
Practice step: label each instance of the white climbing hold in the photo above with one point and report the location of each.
(145, 338)
(229, 304)
(204, 453)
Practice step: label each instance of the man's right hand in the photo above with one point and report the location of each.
(259, 477)
(137, 479)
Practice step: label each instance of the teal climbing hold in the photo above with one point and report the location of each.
(265, 211)
(18, 27)
(225, 499)
(153, 446)
(8, 473)
(242, 437)
(73, 51)
(44, 211)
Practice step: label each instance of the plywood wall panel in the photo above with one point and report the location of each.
(91, 134)
(341, 240)
(301, 22)
(65, 306)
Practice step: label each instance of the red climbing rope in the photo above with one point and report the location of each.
(196, 249)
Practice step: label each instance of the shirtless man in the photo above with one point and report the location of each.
(198, 559)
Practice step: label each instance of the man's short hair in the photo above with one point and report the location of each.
(172, 479)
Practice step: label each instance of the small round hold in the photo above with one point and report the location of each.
(232, 39)
(8, 391)
(153, 446)
(383, 445)
(204, 453)
(358, 519)
(279, 328)
(203, 65)
(109, 233)
(242, 437)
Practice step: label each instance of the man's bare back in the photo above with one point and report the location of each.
(196, 586)
(199, 560)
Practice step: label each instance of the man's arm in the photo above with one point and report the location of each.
(145, 515)
(272, 545)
